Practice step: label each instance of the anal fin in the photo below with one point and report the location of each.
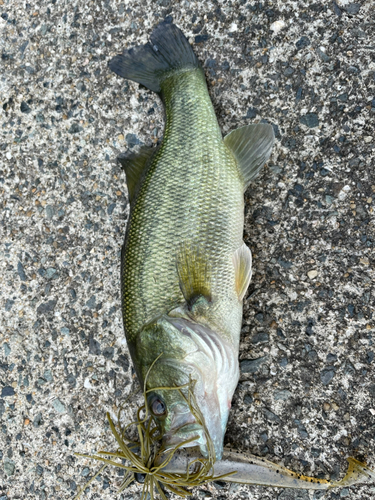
(242, 265)
(135, 165)
(251, 146)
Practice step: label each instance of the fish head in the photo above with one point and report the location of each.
(189, 357)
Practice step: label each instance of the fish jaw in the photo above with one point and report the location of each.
(194, 431)
(184, 426)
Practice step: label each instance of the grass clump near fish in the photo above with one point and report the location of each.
(185, 270)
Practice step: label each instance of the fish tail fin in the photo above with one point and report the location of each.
(168, 50)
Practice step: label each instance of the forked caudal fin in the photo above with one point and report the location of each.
(168, 50)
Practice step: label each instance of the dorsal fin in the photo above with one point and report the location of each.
(242, 266)
(134, 165)
(251, 146)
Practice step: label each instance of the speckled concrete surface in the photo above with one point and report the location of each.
(307, 389)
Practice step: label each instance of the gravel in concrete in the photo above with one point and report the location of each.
(307, 388)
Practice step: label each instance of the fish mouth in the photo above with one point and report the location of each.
(184, 433)
(197, 434)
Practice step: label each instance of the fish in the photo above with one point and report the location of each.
(185, 268)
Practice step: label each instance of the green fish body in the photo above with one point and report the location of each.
(185, 268)
(191, 196)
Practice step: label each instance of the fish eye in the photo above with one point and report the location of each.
(157, 406)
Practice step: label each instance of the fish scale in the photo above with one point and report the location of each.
(194, 195)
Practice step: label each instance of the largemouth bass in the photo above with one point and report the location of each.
(185, 268)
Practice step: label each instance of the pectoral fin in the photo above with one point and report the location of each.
(242, 266)
(135, 164)
(251, 146)
(194, 273)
